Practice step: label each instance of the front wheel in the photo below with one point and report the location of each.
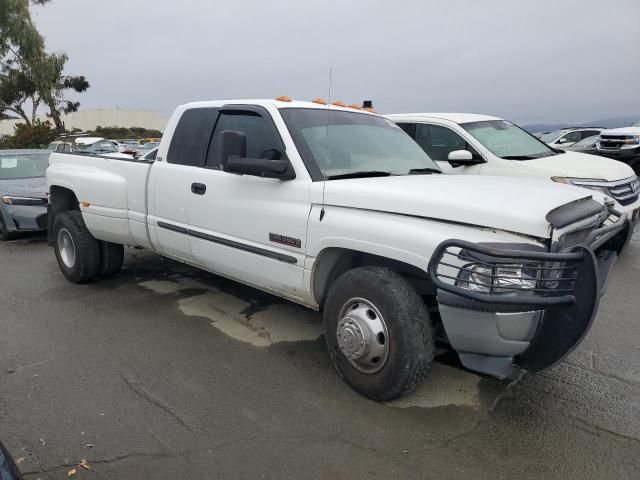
(77, 251)
(378, 332)
(5, 235)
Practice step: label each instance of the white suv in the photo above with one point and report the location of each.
(466, 143)
(565, 137)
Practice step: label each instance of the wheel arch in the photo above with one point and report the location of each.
(61, 199)
(334, 261)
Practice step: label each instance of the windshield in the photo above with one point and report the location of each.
(103, 146)
(637, 124)
(551, 137)
(23, 166)
(339, 143)
(506, 140)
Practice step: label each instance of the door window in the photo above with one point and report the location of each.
(571, 137)
(191, 137)
(263, 140)
(438, 142)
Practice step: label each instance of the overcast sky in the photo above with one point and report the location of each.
(529, 61)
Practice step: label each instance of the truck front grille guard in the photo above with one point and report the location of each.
(555, 274)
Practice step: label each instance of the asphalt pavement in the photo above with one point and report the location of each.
(167, 372)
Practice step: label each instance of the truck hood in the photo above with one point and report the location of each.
(580, 165)
(24, 187)
(505, 203)
(622, 131)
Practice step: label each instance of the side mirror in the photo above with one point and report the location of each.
(233, 158)
(461, 156)
(260, 167)
(562, 140)
(232, 144)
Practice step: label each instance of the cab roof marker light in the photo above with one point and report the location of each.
(369, 109)
(85, 204)
(339, 103)
(319, 101)
(355, 106)
(283, 98)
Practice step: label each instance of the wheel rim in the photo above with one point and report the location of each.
(67, 248)
(362, 335)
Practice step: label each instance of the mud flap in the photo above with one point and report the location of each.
(563, 327)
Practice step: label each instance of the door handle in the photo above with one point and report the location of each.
(198, 188)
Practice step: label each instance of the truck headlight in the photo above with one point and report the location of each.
(578, 183)
(14, 200)
(498, 279)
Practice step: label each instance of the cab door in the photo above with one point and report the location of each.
(170, 183)
(249, 228)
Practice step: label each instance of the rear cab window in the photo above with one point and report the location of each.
(191, 137)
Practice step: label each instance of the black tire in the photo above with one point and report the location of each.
(4, 234)
(111, 258)
(87, 249)
(409, 331)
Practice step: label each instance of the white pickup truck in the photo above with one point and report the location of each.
(339, 210)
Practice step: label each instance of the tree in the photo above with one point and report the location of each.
(28, 74)
(21, 48)
(16, 88)
(38, 135)
(52, 68)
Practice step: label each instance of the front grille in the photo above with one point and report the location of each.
(614, 142)
(625, 193)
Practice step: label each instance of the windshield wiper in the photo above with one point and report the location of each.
(419, 171)
(519, 157)
(363, 174)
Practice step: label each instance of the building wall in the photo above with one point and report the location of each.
(91, 118)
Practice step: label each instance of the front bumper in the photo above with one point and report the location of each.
(24, 218)
(531, 329)
(619, 153)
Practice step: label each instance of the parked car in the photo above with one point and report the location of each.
(60, 146)
(587, 145)
(465, 143)
(622, 144)
(150, 155)
(146, 148)
(566, 137)
(338, 210)
(97, 146)
(23, 187)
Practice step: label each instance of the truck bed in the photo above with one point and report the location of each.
(112, 193)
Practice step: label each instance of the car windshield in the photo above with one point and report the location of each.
(637, 124)
(551, 137)
(587, 142)
(506, 140)
(103, 146)
(344, 144)
(32, 165)
(150, 145)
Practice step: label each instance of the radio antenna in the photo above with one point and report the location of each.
(324, 175)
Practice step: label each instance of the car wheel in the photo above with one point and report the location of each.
(5, 235)
(378, 332)
(77, 251)
(111, 258)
